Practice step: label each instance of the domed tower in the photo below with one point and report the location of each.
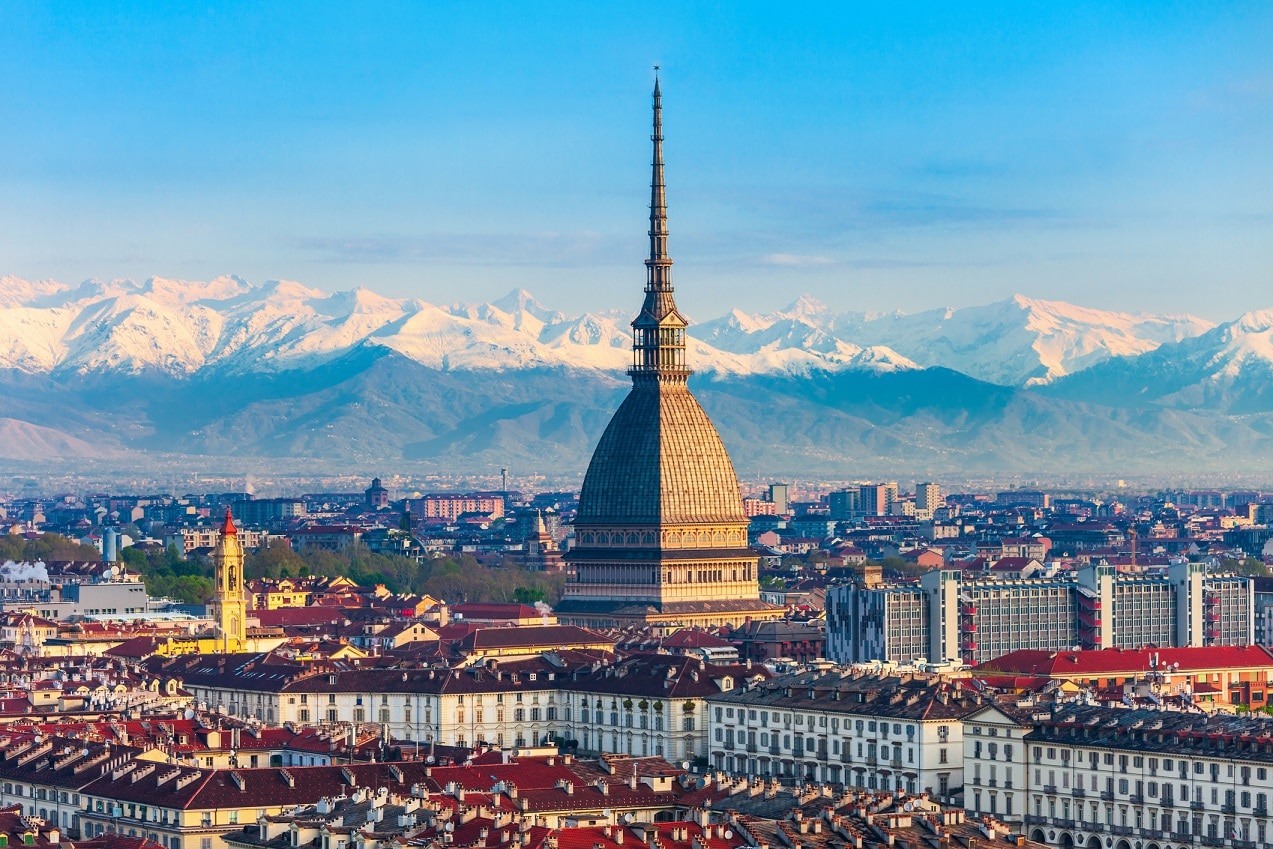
(661, 535)
(229, 603)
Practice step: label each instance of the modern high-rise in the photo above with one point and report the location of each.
(948, 617)
(927, 499)
(875, 498)
(778, 495)
(660, 531)
(845, 504)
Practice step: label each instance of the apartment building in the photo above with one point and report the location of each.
(846, 727)
(651, 705)
(1085, 775)
(185, 808)
(949, 617)
(47, 776)
(643, 706)
(1205, 676)
(448, 508)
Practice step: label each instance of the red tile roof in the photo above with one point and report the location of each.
(1072, 663)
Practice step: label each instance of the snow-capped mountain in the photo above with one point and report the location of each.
(1228, 369)
(118, 371)
(180, 328)
(1021, 341)
(1018, 342)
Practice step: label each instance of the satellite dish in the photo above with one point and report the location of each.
(728, 834)
(450, 826)
(429, 759)
(685, 764)
(627, 818)
(189, 713)
(606, 813)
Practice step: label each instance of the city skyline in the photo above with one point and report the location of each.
(1114, 158)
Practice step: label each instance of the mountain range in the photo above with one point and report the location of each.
(127, 371)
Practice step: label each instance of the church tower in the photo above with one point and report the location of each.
(660, 533)
(229, 604)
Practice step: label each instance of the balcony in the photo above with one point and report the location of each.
(775, 750)
(1260, 812)
(1137, 798)
(1078, 794)
(1049, 788)
(1228, 809)
(1167, 802)
(1197, 806)
(1122, 830)
(1211, 840)
(1034, 819)
(751, 747)
(1107, 796)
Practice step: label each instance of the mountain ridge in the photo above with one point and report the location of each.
(182, 327)
(125, 372)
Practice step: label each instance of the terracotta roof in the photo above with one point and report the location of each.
(530, 635)
(693, 638)
(1071, 663)
(485, 610)
(196, 789)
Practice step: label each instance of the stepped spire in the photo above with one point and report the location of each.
(658, 333)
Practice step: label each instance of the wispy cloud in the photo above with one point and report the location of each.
(795, 260)
(823, 211)
(504, 249)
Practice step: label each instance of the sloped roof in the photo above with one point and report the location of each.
(1072, 663)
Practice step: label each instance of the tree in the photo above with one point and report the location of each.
(1251, 567)
(528, 595)
(45, 547)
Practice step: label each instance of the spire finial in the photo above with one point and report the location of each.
(228, 529)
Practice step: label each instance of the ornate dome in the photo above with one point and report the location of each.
(660, 461)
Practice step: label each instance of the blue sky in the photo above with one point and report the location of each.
(880, 156)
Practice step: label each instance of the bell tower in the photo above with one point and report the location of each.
(229, 604)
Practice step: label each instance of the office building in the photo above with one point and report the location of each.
(948, 617)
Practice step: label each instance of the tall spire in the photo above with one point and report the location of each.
(658, 333)
(659, 265)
